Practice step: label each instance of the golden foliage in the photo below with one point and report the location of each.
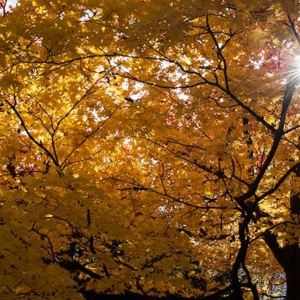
(147, 146)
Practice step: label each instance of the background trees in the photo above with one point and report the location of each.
(149, 146)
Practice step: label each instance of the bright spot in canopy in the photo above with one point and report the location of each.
(293, 64)
(297, 64)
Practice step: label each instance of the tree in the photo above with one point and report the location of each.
(149, 147)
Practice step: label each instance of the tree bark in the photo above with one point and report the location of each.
(289, 258)
(292, 271)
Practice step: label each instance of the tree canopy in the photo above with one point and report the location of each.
(150, 147)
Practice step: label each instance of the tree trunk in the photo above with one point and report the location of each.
(292, 272)
(289, 258)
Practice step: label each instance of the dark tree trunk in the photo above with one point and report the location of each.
(292, 271)
(289, 258)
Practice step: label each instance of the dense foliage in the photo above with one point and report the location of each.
(149, 146)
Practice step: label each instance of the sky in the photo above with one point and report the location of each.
(11, 2)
